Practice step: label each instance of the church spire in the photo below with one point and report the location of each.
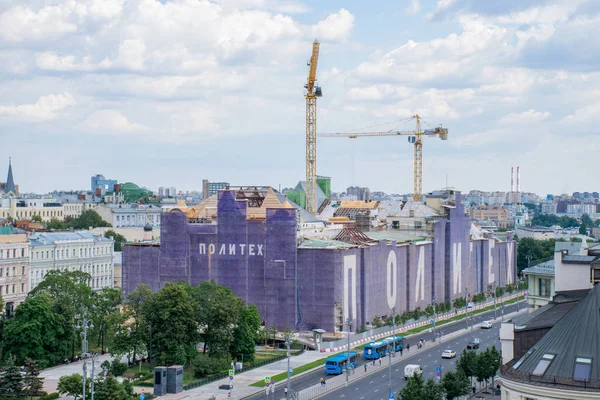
(10, 183)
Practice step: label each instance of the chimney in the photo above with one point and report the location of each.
(518, 179)
(512, 179)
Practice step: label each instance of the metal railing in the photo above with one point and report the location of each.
(510, 373)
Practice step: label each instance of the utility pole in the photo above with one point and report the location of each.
(85, 324)
(393, 350)
(349, 323)
(150, 350)
(466, 310)
(93, 374)
(288, 342)
(394, 329)
(434, 303)
(494, 289)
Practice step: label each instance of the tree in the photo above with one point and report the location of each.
(89, 218)
(467, 363)
(459, 303)
(219, 310)
(582, 229)
(585, 218)
(37, 331)
(11, 382)
(117, 368)
(413, 390)
(246, 334)
(72, 385)
(118, 238)
(175, 332)
(105, 303)
(32, 382)
(455, 384)
(36, 218)
(109, 388)
(432, 391)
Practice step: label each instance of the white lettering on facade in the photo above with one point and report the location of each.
(251, 249)
(259, 248)
(242, 246)
(491, 275)
(222, 249)
(392, 279)
(349, 289)
(211, 249)
(457, 267)
(420, 281)
(232, 249)
(202, 248)
(509, 263)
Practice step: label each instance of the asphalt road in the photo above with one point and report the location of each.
(376, 386)
(310, 379)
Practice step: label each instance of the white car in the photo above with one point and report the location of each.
(412, 369)
(486, 325)
(448, 354)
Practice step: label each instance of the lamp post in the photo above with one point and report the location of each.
(85, 323)
(466, 309)
(288, 342)
(349, 323)
(434, 303)
(393, 350)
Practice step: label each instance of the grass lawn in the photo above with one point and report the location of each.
(280, 377)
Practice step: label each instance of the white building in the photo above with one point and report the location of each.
(535, 232)
(576, 265)
(26, 208)
(541, 288)
(548, 207)
(14, 270)
(72, 251)
(130, 215)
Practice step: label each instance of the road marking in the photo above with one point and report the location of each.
(376, 390)
(383, 376)
(397, 369)
(356, 389)
(419, 359)
(342, 395)
(371, 382)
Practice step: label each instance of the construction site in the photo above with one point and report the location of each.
(309, 262)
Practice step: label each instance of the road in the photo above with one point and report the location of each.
(375, 387)
(310, 379)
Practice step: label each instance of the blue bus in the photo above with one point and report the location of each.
(374, 351)
(339, 363)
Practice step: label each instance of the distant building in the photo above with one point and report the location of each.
(75, 204)
(102, 185)
(541, 281)
(72, 251)
(118, 271)
(497, 214)
(161, 191)
(361, 193)
(211, 188)
(577, 265)
(14, 270)
(548, 207)
(26, 208)
(130, 215)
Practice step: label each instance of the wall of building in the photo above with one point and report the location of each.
(14, 270)
(570, 276)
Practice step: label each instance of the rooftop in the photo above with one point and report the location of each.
(45, 238)
(543, 268)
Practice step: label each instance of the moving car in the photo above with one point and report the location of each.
(448, 354)
(473, 344)
(412, 369)
(486, 325)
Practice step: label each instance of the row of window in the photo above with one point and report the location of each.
(29, 214)
(130, 220)
(581, 369)
(7, 289)
(14, 271)
(63, 254)
(13, 253)
(102, 268)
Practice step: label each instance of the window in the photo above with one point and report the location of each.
(14, 271)
(22, 252)
(13, 289)
(542, 366)
(22, 288)
(23, 270)
(544, 287)
(0, 271)
(583, 367)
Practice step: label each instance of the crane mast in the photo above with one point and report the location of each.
(312, 92)
(415, 137)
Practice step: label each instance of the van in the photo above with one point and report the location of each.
(411, 369)
(486, 325)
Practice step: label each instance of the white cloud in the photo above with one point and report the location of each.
(45, 108)
(526, 117)
(585, 114)
(413, 8)
(51, 61)
(335, 27)
(131, 54)
(112, 122)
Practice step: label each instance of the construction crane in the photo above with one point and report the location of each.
(312, 92)
(413, 137)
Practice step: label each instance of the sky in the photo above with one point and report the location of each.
(167, 93)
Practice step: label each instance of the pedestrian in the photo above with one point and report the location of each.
(380, 361)
(322, 382)
(373, 361)
(401, 352)
(407, 346)
(285, 391)
(365, 367)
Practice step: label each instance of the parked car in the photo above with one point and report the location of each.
(473, 344)
(448, 354)
(486, 325)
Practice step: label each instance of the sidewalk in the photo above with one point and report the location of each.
(53, 374)
(317, 390)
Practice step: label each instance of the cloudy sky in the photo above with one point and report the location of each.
(171, 92)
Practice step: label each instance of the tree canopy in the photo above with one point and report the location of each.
(87, 219)
(548, 220)
(531, 250)
(118, 238)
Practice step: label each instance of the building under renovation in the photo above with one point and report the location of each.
(305, 272)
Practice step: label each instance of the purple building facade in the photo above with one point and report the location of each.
(303, 288)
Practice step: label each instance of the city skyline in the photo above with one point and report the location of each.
(141, 94)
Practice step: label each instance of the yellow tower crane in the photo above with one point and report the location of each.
(413, 137)
(312, 92)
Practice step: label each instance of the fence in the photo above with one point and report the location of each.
(385, 331)
(224, 375)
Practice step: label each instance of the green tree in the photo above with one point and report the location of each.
(585, 218)
(72, 385)
(467, 363)
(32, 382)
(246, 334)
(530, 251)
(109, 388)
(117, 368)
(582, 229)
(57, 225)
(459, 303)
(11, 381)
(36, 218)
(89, 218)
(413, 390)
(175, 331)
(118, 238)
(455, 384)
(37, 331)
(219, 310)
(105, 304)
(432, 391)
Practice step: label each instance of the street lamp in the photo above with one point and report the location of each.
(288, 342)
(349, 323)
(466, 309)
(393, 350)
(434, 303)
(84, 323)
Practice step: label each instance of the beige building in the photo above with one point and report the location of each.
(14, 270)
(25, 208)
(535, 232)
(497, 214)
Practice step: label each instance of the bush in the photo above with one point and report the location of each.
(118, 368)
(50, 396)
(209, 366)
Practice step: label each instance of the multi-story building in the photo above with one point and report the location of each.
(497, 214)
(101, 185)
(72, 251)
(75, 204)
(211, 188)
(361, 193)
(541, 283)
(26, 208)
(535, 232)
(14, 270)
(130, 215)
(548, 207)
